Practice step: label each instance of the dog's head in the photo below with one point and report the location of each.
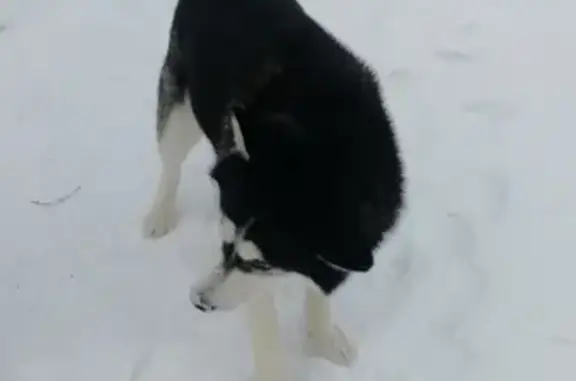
(241, 274)
(253, 260)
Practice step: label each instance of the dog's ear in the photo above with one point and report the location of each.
(354, 261)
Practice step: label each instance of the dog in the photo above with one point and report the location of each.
(307, 163)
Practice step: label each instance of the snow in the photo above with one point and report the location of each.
(476, 284)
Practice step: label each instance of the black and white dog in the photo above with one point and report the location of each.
(308, 167)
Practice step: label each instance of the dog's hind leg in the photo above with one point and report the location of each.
(177, 132)
(269, 358)
(325, 339)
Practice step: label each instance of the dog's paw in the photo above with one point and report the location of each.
(159, 222)
(333, 346)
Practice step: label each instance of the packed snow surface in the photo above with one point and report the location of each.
(477, 284)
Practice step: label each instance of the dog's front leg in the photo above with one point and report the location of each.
(325, 339)
(269, 358)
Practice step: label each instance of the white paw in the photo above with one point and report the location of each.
(333, 346)
(159, 222)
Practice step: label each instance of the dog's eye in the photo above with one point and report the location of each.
(260, 265)
(253, 265)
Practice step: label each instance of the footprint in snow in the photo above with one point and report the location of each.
(498, 186)
(468, 28)
(400, 78)
(399, 73)
(493, 111)
(453, 55)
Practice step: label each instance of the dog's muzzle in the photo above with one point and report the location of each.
(226, 289)
(202, 294)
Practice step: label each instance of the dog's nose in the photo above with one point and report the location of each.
(200, 302)
(204, 307)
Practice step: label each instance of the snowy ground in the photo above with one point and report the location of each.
(476, 286)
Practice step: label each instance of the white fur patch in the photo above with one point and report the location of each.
(227, 230)
(181, 133)
(239, 139)
(247, 250)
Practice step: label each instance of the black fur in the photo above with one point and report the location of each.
(324, 181)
